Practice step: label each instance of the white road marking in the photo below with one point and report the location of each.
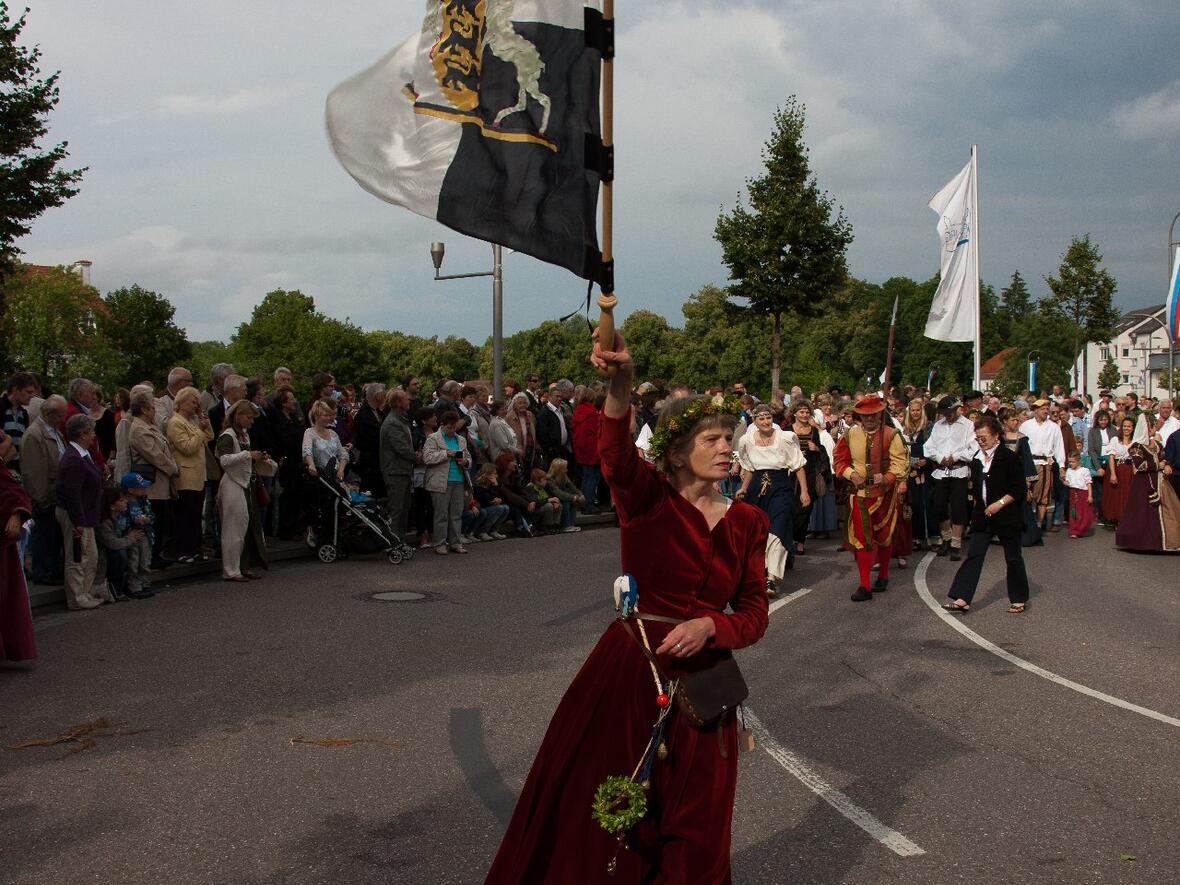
(890, 838)
(790, 597)
(956, 622)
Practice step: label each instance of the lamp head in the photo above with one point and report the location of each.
(437, 251)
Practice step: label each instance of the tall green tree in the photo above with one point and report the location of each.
(1015, 304)
(31, 177)
(1052, 336)
(1110, 377)
(138, 326)
(285, 329)
(51, 322)
(553, 350)
(786, 250)
(1083, 292)
(653, 344)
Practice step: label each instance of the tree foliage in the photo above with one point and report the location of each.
(1110, 377)
(786, 250)
(1083, 293)
(51, 322)
(1015, 304)
(31, 180)
(1050, 335)
(285, 329)
(137, 326)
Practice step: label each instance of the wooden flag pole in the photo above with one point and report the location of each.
(607, 300)
(886, 380)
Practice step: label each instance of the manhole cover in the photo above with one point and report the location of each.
(398, 596)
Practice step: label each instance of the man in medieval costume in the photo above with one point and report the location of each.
(872, 457)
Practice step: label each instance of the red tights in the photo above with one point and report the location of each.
(864, 563)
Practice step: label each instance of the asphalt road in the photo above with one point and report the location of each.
(939, 760)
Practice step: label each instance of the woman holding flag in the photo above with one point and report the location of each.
(690, 553)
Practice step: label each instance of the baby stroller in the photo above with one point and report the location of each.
(355, 523)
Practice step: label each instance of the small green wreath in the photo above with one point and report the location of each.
(619, 804)
(665, 431)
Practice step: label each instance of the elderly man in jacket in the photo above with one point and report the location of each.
(79, 506)
(397, 459)
(366, 439)
(42, 448)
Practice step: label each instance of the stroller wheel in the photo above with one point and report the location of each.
(407, 552)
(327, 553)
(394, 557)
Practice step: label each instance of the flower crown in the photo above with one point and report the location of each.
(666, 431)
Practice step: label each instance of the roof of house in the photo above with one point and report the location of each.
(1140, 316)
(992, 366)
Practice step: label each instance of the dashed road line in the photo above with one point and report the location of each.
(955, 621)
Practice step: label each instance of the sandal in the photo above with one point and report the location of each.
(956, 608)
(901, 562)
(1017, 608)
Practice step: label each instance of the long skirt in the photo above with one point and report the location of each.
(17, 642)
(903, 535)
(598, 730)
(1031, 536)
(1114, 497)
(1081, 513)
(774, 492)
(1151, 519)
(823, 513)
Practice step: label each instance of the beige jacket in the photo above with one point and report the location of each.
(148, 444)
(189, 442)
(237, 466)
(38, 465)
(436, 457)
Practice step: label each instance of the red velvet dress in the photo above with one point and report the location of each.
(16, 624)
(603, 722)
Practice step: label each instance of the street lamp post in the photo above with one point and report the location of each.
(1171, 353)
(437, 252)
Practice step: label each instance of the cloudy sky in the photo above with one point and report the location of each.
(211, 181)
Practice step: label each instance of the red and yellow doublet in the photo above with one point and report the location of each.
(873, 508)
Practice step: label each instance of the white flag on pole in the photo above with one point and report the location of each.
(953, 313)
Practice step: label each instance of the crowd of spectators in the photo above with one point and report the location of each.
(120, 486)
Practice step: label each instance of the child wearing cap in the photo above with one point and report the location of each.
(140, 517)
(115, 538)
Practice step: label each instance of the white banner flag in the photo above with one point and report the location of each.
(952, 313)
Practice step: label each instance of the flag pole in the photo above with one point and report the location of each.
(975, 254)
(889, 352)
(607, 300)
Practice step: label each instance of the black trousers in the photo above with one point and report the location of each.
(949, 500)
(967, 577)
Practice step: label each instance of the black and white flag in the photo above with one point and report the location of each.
(484, 120)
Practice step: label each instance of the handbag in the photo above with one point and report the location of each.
(704, 695)
(261, 495)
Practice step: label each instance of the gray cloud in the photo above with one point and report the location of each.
(211, 180)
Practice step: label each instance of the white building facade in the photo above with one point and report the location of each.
(1139, 336)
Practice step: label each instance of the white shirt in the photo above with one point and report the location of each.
(956, 441)
(1044, 440)
(985, 458)
(81, 451)
(643, 441)
(1168, 428)
(1078, 478)
(783, 454)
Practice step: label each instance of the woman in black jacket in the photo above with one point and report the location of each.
(998, 490)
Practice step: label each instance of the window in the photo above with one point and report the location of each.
(1105, 353)
(1126, 351)
(1126, 378)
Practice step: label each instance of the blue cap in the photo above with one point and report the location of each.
(134, 481)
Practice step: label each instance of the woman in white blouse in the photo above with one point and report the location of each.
(768, 456)
(322, 449)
